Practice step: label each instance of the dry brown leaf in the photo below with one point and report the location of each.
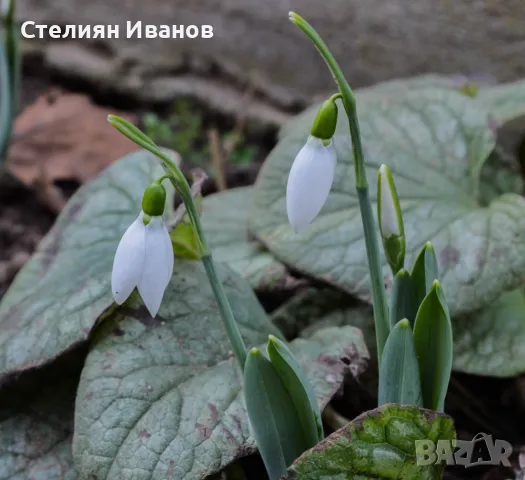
(63, 137)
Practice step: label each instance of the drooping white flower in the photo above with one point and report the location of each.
(144, 259)
(309, 182)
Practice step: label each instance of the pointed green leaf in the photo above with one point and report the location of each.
(433, 342)
(424, 272)
(379, 444)
(301, 392)
(402, 299)
(273, 418)
(399, 370)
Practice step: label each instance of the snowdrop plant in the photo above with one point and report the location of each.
(414, 332)
(282, 408)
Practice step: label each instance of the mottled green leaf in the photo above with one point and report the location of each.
(162, 398)
(435, 142)
(492, 341)
(225, 223)
(35, 435)
(59, 294)
(505, 102)
(379, 444)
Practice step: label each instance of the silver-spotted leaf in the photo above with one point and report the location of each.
(505, 101)
(225, 223)
(379, 444)
(435, 143)
(36, 433)
(63, 289)
(162, 398)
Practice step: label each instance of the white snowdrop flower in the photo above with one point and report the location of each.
(389, 220)
(144, 259)
(309, 182)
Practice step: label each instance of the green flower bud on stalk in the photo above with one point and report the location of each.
(154, 200)
(326, 120)
(390, 220)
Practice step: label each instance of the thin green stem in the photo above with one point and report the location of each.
(239, 348)
(382, 325)
(182, 187)
(361, 184)
(6, 101)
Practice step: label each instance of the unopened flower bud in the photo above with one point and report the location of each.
(390, 220)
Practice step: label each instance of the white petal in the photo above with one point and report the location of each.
(388, 214)
(158, 266)
(309, 182)
(129, 261)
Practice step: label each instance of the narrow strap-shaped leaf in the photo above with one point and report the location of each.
(402, 299)
(5, 101)
(274, 421)
(301, 392)
(433, 342)
(399, 370)
(424, 272)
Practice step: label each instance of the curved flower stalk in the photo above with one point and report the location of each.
(144, 256)
(381, 321)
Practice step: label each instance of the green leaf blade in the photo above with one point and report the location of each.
(377, 444)
(403, 302)
(225, 223)
(299, 388)
(433, 342)
(274, 421)
(424, 272)
(399, 371)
